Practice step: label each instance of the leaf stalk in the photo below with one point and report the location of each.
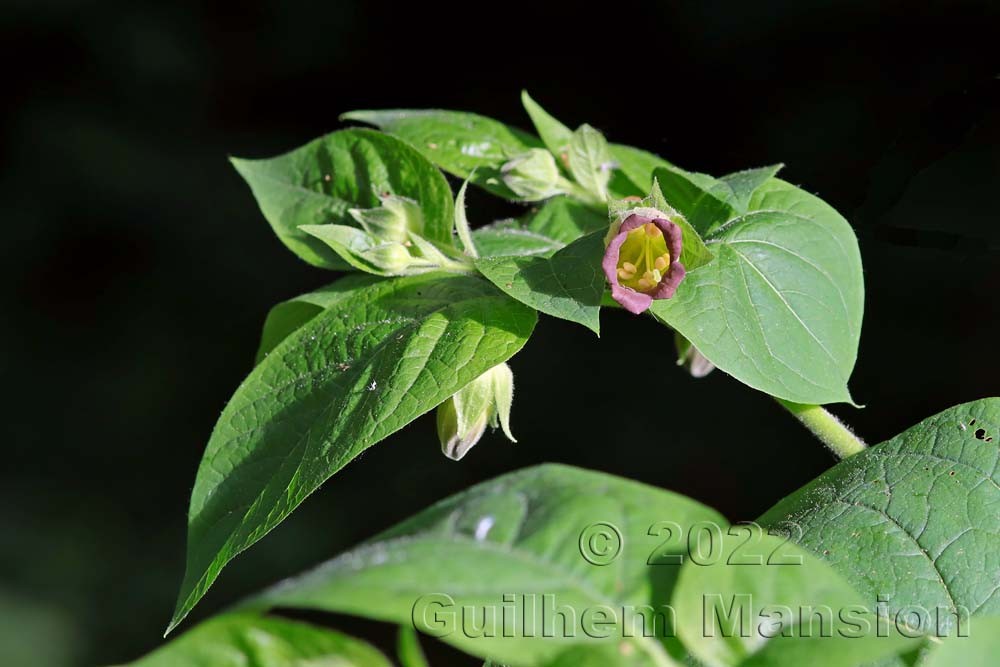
(827, 428)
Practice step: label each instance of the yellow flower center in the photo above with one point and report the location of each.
(643, 258)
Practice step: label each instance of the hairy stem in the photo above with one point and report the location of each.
(831, 431)
(574, 190)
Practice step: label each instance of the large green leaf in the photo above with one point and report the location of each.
(519, 535)
(780, 306)
(249, 640)
(349, 377)
(459, 142)
(914, 519)
(755, 600)
(568, 285)
(318, 183)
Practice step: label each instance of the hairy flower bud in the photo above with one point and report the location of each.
(693, 361)
(642, 259)
(462, 419)
(393, 221)
(533, 176)
(392, 258)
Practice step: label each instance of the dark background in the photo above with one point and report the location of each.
(138, 271)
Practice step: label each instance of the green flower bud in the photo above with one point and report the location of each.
(462, 419)
(533, 176)
(392, 258)
(393, 221)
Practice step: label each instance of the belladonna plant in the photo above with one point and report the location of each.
(749, 275)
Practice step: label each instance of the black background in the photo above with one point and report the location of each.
(138, 270)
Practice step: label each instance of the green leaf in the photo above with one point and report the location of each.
(708, 202)
(633, 175)
(979, 649)
(241, 639)
(510, 237)
(459, 142)
(561, 220)
(351, 376)
(565, 219)
(408, 648)
(914, 519)
(567, 285)
(780, 306)
(557, 137)
(517, 535)
(590, 161)
(751, 602)
(741, 185)
(701, 198)
(318, 183)
(287, 316)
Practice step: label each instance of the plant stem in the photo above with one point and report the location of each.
(831, 431)
(574, 190)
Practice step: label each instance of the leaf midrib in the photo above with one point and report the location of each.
(788, 306)
(312, 373)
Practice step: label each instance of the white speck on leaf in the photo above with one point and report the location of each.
(483, 527)
(476, 150)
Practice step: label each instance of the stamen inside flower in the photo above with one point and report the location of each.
(643, 258)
